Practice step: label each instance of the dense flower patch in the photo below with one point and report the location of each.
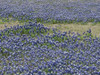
(51, 10)
(32, 50)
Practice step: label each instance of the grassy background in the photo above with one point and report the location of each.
(76, 27)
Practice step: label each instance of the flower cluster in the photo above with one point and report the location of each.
(32, 50)
(54, 10)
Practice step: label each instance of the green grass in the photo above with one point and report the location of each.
(79, 27)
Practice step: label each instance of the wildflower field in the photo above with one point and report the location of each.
(49, 37)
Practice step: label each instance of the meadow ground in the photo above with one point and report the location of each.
(77, 28)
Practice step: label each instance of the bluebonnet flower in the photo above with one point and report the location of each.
(45, 54)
